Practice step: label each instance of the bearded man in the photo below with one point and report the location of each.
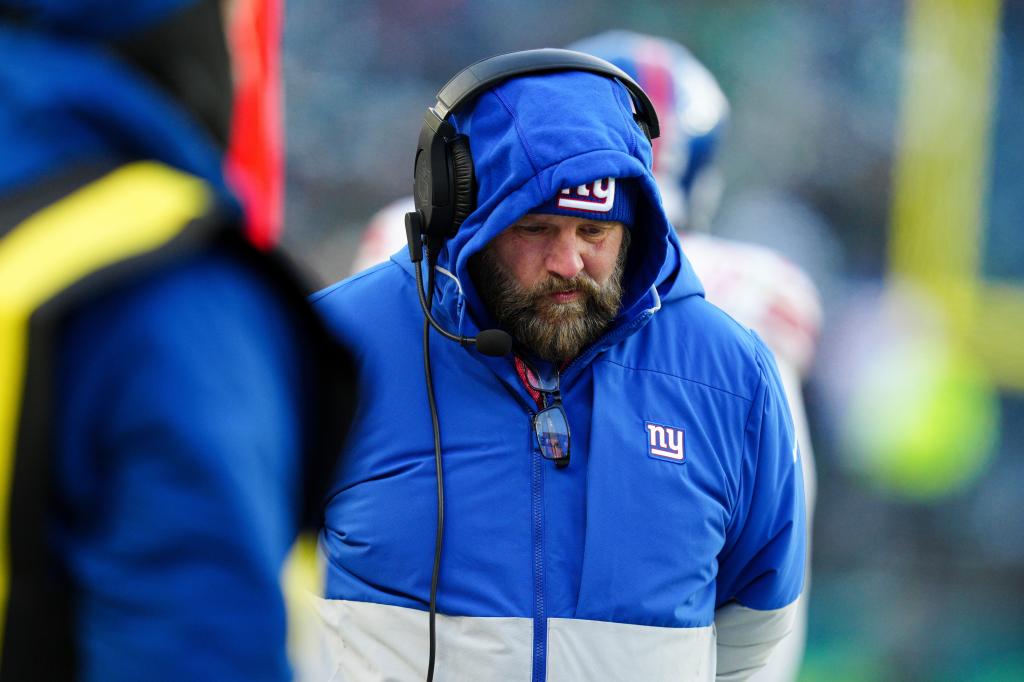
(619, 497)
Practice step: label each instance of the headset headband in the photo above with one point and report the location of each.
(478, 77)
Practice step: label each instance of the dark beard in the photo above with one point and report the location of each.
(556, 332)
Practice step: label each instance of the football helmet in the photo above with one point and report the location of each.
(693, 113)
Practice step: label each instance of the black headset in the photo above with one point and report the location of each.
(444, 184)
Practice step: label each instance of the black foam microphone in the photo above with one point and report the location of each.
(493, 342)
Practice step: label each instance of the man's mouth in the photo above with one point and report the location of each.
(565, 296)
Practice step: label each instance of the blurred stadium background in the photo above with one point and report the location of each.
(874, 142)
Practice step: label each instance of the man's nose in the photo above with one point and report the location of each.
(563, 257)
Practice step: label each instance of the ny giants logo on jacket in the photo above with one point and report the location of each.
(596, 196)
(664, 442)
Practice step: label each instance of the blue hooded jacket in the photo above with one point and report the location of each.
(617, 566)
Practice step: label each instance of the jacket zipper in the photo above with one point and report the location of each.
(540, 626)
(540, 629)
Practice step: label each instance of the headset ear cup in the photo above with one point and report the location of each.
(463, 181)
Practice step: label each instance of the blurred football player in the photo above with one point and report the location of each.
(755, 285)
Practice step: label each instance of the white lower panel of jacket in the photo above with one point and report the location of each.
(747, 637)
(364, 642)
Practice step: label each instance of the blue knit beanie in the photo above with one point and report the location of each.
(605, 199)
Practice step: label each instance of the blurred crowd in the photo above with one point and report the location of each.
(875, 144)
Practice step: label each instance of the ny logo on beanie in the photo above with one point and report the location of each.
(597, 196)
(603, 199)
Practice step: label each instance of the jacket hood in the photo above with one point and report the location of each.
(73, 96)
(531, 137)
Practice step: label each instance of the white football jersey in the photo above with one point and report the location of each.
(761, 290)
(384, 234)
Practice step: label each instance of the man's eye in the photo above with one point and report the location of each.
(591, 232)
(532, 229)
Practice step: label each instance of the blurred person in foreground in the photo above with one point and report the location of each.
(622, 498)
(170, 402)
(755, 285)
